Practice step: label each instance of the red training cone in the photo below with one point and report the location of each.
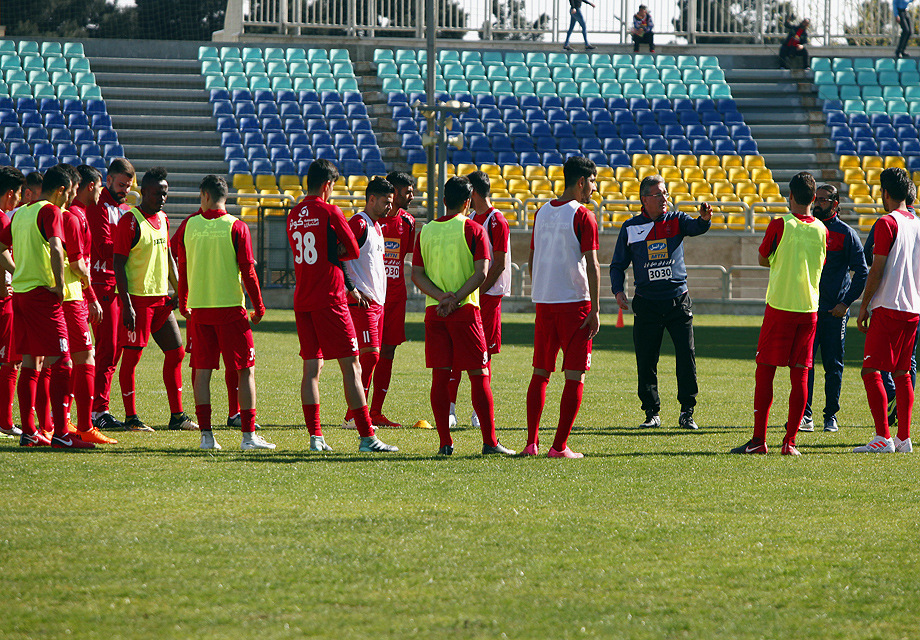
(620, 319)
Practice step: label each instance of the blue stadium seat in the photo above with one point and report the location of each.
(701, 146)
(622, 116)
(629, 130)
(747, 147)
(644, 116)
(723, 146)
(59, 135)
(680, 146)
(302, 153)
(599, 158)
(253, 138)
(689, 117)
(552, 158)
(262, 167)
(889, 147)
(910, 148)
(709, 118)
(484, 156)
(227, 138)
(866, 147)
(279, 153)
(635, 145)
(705, 104)
(372, 154)
(506, 157)
(563, 130)
(844, 148)
(256, 152)
(529, 159)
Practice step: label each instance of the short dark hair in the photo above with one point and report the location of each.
(11, 179)
(457, 190)
(400, 179)
(34, 180)
(214, 186)
(481, 183)
(378, 187)
(71, 172)
(831, 189)
(154, 175)
(802, 188)
(576, 168)
(121, 166)
(320, 172)
(896, 182)
(55, 178)
(648, 181)
(88, 174)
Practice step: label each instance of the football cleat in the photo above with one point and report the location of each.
(530, 450)
(94, 436)
(446, 450)
(565, 453)
(71, 427)
(318, 443)
(789, 449)
(807, 425)
(106, 421)
(13, 431)
(254, 441)
(685, 420)
(903, 446)
(474, 421)
(133, 423)
(751, 447)
(380, 420)
(830, 424)
(208, 441)
(488, 450)
(181, 422)
(452, 420)
(36, 439)
(349, 423)
(372, 444)
(652, 420)
(878, 444)
(70, 441)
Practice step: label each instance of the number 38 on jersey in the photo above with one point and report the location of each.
(304, 247)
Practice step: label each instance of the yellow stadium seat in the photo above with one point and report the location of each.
(535, 171)
(602, 172)
(645, 171)
(518, 184)
(606, 185)
(665, 160)
(730, 208)
(715, 173)
(736, 174)
(721, 189)
(686, 160)
(491, 169)
(859, 189)
(916, 177)
(629, 187)
(559, 185)
(854, 175)
(642, 159)
(249, 213)
(421, 183)
(693, 172)
(746, 189)
(677, 198)
(243, 181)
(466, 169)
(622, 173)
(678, 187)
(768, 190)
(752, 162)
(761, 174)
(872, 175)
(873, 162)
(751, 199)
(731, 161)
(707, 160)
(670, 173)
(419, 169)
(849, 162)
(512, 170)
(543, 184)
(876, 192)
(699, 188)
(894, 161)
(289, 182)
(554, 172)
(247, 202)
(356, 183)
(266, 181)
(776, 199)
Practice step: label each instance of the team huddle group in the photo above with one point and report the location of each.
(76, 255)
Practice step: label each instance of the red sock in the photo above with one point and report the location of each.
(763, 400)
(60, 388)
(248, 420)
(798, 396)
(232, 378)
(568, 410)
(43, 400)
(536, 398)
(368, 361)
(878, 402)
(203, 413)
(83, 381)
(311, 419)
(7, 394)
(172, 378)
(129, 360)
(382, 374)
(453, 386)
(363, 421)
(484, 408)
(440, 404)
(904, 390)
(25, 391)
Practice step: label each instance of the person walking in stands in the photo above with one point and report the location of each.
(794, 44)
(907, 28)
(837, 292)
(794, 248)
(643, 29)
(653, 242)
(892, 298)
(449, 265)
(144, 269)
(577, 18)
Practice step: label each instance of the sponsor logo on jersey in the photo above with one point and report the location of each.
(657, 249)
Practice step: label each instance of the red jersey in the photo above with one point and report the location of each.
(102, 218)
(475, 239)
(316, 230)
(77, 237)
(7, 276)
(398, 241)
(774, 234)
(127, 233)
(49, 224)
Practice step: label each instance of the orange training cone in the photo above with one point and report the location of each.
(620, 319)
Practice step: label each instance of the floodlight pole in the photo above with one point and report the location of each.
(435, 177)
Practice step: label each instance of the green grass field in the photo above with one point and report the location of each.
(654, 534)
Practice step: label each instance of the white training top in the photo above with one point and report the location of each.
(559, 267)
(367, 271)
(899, 289)
(502, 286)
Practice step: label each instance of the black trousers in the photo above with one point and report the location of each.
(787, 53)
(652, 317)
(907, 30)
(646, 38)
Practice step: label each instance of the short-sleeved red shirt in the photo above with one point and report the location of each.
(475, 239)
(50, 224)
(77, 237)
(886, 230)
(498, 231)
(774, 234)
(399, 240)
(102, 219)
(128, 233)
(585, 226)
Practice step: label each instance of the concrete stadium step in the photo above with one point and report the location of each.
(174, 95)
(171, 152)
(159, 107)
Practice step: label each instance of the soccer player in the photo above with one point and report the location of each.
(837, 292)
(794, 249)
(215, 261)
(498, 279)
(32, 189)
(80, 305)
(144, 269)
(368, 274)
(565, 278)
(103, 218)
(449, 265)
(398, 230)
(11, 182)
(653, 242)
(317, 231)
(38, 289)
(892, 298)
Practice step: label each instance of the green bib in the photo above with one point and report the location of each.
(447, 256)
(32, 251)
(211, 267)
(148, 262)
(795, 266)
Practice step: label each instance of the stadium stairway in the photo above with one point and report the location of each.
(779, 106)
(161, 112)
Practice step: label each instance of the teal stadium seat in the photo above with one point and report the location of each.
(20, 90)
(500, 72)
(579, 60)
(601, 61)
(906, 64)
(350, 84)
(251, 54)
(820, 64)
(212, 82)
(69, 92)
(912, 93)
(89, 92)
(256, 68)
(697, 91)
(546, 88)
(502, 88)
(302, 70)
(841, 64)
(7, 47)
(671, 75)
(15, 75)
(720, 91)
(78, 64)
(863, 64)
(317, 55)
(665, 62)
(513, 57)
(204, 53)
(84, 79)
(865, 77)
(714, 76)
(33, 63)
(693, 75)
(534, 59)
(621, 60)
(584, 74)
(339, 55)
(272, 54)
(885, 64)
(61, 77)
(910, 78)
(567, 89)
(28, 47)
(828, 92)
(55, 64)
(685, 62)
(897, 106)
(850, 92)
(875, 106)
(480, 88)
(282, 83)
(390, 85)
(495, 58)
(343, 70)
(561, 74)
(655, 90)
(892, 93)
(611, 90)
(236, 82)
(412, 70)
(295, 54)
(259, 82)
(853, 106)
(5, 90)
(325, 84)
(320, 70)
(475, 71)
(520, 72)
(642, 60)
(458, 86)
(647, 74)
(589, 89)
(471, 57)
(524, 88)
(540, 74)
(10, 62)
(627, 74)
(845, 77)
(605, 74)
(557, 60)
(873, 92)
(889, 78)
(277, 69)
(709, 62)
(230, 53)
(634, 90)
(454, 72)
(234, 67)
(41, 76)
(307, 84)
(383, 55)
(676, 90)
(448, 55)
(45, 90)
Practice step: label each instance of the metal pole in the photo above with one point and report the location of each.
(760, 8)
(283, 18)
(434, 184)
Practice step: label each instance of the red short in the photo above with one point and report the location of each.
(326, 334)
(368, 324)
(38, 323)
(150, 314)
(558, 326)
(233, 341)
(491, 311)
(76, 317)
(455, 342)
(8, 351)
(786, 338)
(890, 340)
(394, 322)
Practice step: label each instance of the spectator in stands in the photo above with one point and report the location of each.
(907, 29)
(643, 28)
(794, 44)
(577, 17)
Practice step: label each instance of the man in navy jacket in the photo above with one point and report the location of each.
(653, 242)
(838, 290)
